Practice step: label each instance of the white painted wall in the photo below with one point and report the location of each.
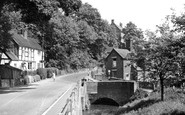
(36, 61)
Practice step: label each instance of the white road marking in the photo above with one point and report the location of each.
(56, 101)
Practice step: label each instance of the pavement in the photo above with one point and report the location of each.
(36, 98)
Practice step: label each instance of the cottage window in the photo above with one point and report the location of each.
(42, 55)
(39, 52)
(30, 65)
(33, 65)
(23, 53)
(26, 54)
(32, 55)
(114, 64)
(20, 53)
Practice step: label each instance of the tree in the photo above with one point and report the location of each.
(8, 21)
(5, 36)
(87, 35)
(62, 40)
(160, 55)
(90, 15)
(105, 35)
(70, 7)
(135, 35)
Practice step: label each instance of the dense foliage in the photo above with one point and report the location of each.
(72, 34)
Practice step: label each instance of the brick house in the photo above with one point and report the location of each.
(117, 64)
(25, 54)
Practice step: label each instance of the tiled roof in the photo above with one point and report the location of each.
(29, 42)
(11, 56)
(109, 49)
(122, 52)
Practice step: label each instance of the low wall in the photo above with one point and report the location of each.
(119, 91)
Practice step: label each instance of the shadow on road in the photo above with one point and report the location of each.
(17, 89)
(5, 91)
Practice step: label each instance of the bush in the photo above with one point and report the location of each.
(36, 78)
(50, 72)
(42, 72)
(47, 72)
(30, 79)
(139, 94)
(146, 85)
(32, 73)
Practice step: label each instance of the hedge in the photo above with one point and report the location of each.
(31, 79)
(42, 72)
(47, 72)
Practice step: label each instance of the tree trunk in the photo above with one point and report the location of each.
(162, 86)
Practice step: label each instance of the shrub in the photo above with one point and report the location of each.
(32, 73)
(50, 72)
(47, 72)
(42, 72)
(139, 94)
(146, 85)
(36, 78)
(62, 72)
(28, 79)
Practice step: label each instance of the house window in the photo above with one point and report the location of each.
(39, 52)
(42, 55)
(32, 55)
(114, 64)
(26, 54)
(33, 65)
(30, 65)
(23, 53)
(20, 53)
(38, 65)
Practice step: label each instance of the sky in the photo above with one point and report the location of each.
(145, 14)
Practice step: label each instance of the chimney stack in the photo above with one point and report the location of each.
(112, 21)
(25, 34)
(120, 24)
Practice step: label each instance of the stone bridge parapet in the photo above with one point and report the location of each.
(119, 91)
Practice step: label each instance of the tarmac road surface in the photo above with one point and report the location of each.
(35, 98)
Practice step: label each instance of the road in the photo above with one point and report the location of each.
(35, 98)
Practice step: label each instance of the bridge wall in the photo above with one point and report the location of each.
(120, 92)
